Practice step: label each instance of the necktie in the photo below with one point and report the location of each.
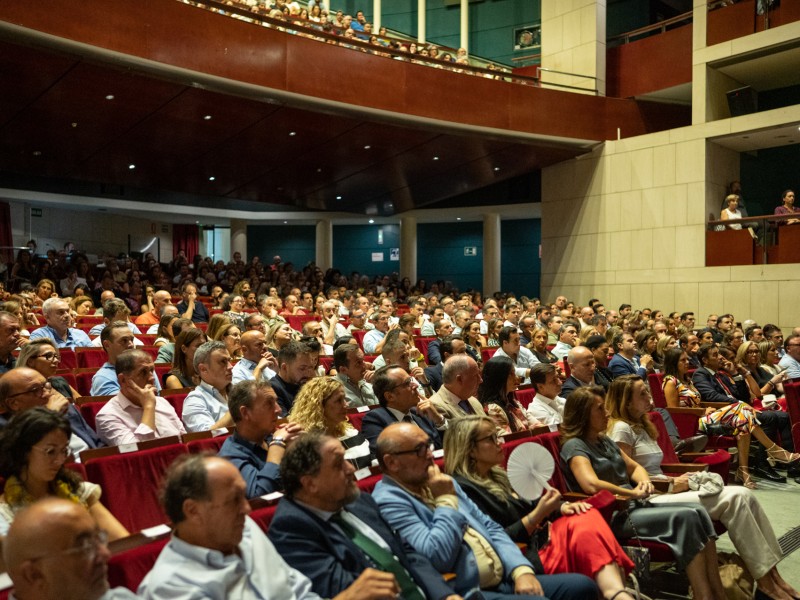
(408, 419)
(382, 558)
(466, 407)
(721, 381)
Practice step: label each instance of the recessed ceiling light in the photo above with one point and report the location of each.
(37, 152)
(435, 158)
(131, 167)
(285, 222)
(367, 147)
(74, 124)
(458, 218)
(212, 178)
(207, 117)
(292, 133)
(110, 97)
(338, 197)
(372, 221)
(319, 170)
(497, 168)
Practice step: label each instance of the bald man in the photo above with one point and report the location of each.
(257, 363)
(153, 317)
(55, 551)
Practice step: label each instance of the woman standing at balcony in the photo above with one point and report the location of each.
(732, 211)
(787, 208)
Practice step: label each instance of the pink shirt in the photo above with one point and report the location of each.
(120, 422)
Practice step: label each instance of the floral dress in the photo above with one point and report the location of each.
(738, 416)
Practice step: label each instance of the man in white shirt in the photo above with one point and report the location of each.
(510, 347)
(257, 362)
(206, 406)
(566, 340)
(547, 406)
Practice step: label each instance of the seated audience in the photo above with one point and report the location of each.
(374, 339)
(295, 367)
(731, 211)
(625, 361)
(182, 374)
(278, 336)
(749, 356)
(399, 401)
(257, 362)
(598, 346)
(496, 395)
(43, 357)
(114, 310)
(164, 333)
(348, 360)
(136, 413)
(474, 339)
(153, 316)
(628, 402)
(567, 338)
(232, 308)
(510, 347)
(581, 370)
(448, 347)
(41, 557)
(327, 528)
(538, 347)
(787, 208)
(206, 406)
(320, 406)
(215, 549)
(33, 449)
(190, 307)
(56, 312)
(791, 359)
(442, 329)
(230, 335)
(578, 537)
(596, 463)
(434, 516)
(258, 444)
(166, 352)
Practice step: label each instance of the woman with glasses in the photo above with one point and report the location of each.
(628, 402)
(233, 306)
(578, 541)
(33, 449)
(321, 406)
(231, 336)
(749, 356)
(40, 355)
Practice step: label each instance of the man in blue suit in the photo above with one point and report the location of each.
(400, 402)
(331, 532)
(432, 514)
(625, 361)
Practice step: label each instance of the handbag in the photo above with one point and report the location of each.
(639, 555)
(736, 579)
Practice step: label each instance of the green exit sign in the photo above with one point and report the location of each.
(36, 212)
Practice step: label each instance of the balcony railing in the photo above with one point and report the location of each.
(762, 240)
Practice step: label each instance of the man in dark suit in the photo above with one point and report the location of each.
(581, 366)
(721, 380)
(325, 527)
(442, 328)
(399, 402)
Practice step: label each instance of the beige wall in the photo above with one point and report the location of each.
(574, 41)
(626, 224)
(97, 233)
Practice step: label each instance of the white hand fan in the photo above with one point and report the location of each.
(529, 468)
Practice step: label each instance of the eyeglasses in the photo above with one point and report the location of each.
(51, 453)
(421, 450)
(39, 390)
(408, 382)
(753, 351)
(50, 356)
(87, 547)
(494, 437)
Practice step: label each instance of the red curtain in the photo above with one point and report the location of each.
(186, 238)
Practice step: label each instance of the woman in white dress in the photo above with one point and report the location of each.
(732, 211)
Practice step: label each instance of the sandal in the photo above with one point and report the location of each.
(778, 454)
(743, 477)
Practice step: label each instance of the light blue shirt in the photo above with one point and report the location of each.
(244, 371)
(791, 365)
(76, 338)
(98, 329)
(372, 339)
(105, 382)
(257, 572)
(203, 407)
(360, 394)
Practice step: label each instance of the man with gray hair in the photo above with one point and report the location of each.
(57, 313)
(217, 551)
(374, 339)
(9, 340)
(136, 413)
(206, 406)
(461, 377)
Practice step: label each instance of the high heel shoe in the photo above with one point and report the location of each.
(743, 477)
(777, 454)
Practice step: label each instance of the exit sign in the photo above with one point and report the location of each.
(470, 251)
(36, 212)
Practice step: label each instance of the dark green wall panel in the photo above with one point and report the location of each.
(293, 243)
(520, 262)
(353, 246)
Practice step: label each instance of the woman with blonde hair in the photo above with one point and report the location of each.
(628, 402)
(215, 324)
(662, 345)
(578, 539)
(321, 406)
(280, 334)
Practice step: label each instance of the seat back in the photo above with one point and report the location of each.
(89, 412)
(552, 443)
(663, 439)
(488, 353)
(90, 357)
(656, 381)
(176, 398)
(68, 359)
(525, 395)
(359, 334)
(131, 483)
(128, 567)
(205, 441)
(792, 392)
(422, 345)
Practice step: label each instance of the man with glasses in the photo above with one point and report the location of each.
(399, 401)
(9, 340)
(334, 534)
(54, 551)
(190, 307)
(374, 339)
(791, 360)
(357, 319)
(431, 513)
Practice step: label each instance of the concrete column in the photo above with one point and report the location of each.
(421, 16)
(491, 254)
(239, 237)
(408, 248)
(574, 41)
(465, 24)
(376, 16)
(324, 244)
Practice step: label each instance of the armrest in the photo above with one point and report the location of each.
(687, 410)
(693, 455)
(715, 404)
(660, 485)
(683, 467)
(621, 503)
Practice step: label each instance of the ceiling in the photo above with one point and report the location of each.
(70, 124)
